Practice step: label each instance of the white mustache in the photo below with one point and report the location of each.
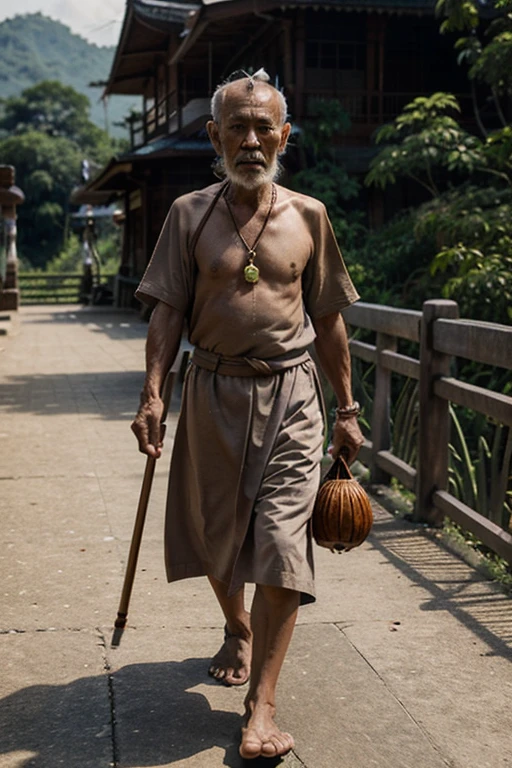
(250, 157)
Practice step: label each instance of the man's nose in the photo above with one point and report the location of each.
(251, 138)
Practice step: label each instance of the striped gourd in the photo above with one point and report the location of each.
(342, 517)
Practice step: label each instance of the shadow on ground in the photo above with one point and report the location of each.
(110, 394)
(454, 587)
(114, 323)
(158, 720)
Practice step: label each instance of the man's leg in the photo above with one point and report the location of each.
(273, 617)
(232, 664)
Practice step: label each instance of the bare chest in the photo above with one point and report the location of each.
(280, 250)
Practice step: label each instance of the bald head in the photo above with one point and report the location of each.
(248, 89)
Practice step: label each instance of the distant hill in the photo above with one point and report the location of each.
(34, 48)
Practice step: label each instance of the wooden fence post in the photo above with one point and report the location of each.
(381, 417)
(434, 418)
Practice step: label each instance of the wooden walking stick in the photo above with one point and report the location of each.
(140, 519)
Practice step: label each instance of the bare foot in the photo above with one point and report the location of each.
(232, 664)
(260, 735)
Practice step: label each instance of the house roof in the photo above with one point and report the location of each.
(212, 11)
(144, 38)
(117, 175)
(146, 26)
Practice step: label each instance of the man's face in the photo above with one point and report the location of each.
(249, 135)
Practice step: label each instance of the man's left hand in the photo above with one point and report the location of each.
(346, 438)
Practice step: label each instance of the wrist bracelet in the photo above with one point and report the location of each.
(348, 411)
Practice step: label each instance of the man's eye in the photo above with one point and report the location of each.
(236, 127)
(265, 128)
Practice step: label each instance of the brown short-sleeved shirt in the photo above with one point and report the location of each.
(302, 275)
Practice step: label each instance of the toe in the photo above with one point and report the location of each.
(277, 745)
(271, 748)
(288, 741)
(236, 677)
(250, 747)
(216, 672)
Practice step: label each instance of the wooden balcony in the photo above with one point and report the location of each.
(168, 117)
(367, 111)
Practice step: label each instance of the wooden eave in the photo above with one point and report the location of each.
(218, 11)
(144, 39)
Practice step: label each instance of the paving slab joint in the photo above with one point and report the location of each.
(428, 736)
(112, 700)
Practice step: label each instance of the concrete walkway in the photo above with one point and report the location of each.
(403, 662)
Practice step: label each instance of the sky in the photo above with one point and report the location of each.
(99, 21)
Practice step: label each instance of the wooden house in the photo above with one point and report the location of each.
(374, 56)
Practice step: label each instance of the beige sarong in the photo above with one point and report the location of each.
(244, 476)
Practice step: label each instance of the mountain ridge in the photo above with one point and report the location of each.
(34, 47)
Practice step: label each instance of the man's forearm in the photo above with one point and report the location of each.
(162, 345)
(333, 353)
(334, 356)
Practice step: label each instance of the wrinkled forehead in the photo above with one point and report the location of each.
(238, 97)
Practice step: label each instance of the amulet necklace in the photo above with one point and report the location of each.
(251, 271)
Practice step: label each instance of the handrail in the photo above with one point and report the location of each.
(441, 336)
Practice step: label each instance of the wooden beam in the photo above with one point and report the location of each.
(489, 533)
(487, 343)
(492, 404)
(366, 352)
(398, 468)
(402, 323)
(406, 366)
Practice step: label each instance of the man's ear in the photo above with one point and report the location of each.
(213, 132)
(285, 132)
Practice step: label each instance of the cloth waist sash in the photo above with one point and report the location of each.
(247, 366)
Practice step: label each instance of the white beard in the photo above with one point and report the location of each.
(252, 180)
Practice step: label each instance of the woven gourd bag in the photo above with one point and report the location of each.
(342, 516)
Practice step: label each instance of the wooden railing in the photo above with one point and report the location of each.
(156, 120)
(441, 337)
(374, 108)
(42, 288)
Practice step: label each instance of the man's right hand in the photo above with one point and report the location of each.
(148, 428)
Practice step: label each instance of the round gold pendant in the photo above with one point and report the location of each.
(251, 273)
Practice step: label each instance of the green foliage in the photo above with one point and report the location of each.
(323, 176)
(327, 118)
(35, 48)
(57, 111)
(69, 259)
(392, 265)
(466, 228)
(108, 248)
(481, 482)
(46, 169)
(426, 139)
(47, 135)
(461, 15)
(406, 423)
(489, 62)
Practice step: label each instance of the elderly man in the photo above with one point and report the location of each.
(255, 270)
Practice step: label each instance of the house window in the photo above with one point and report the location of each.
(328, 54)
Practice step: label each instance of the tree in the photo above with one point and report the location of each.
(425, 139)
(47, 135)
(323, 176)
(46, 169)
(58, 111)
(488, 57)
(469, 178)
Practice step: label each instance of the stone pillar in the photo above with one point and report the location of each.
(10, 197)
